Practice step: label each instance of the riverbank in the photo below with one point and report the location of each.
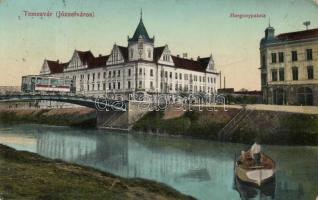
(265, 127)
(79, 117)
(25, 175)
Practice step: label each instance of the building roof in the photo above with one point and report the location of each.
(204, 61)
(85, 56)
(299, 35)
(99, 61)
(157, 52)
(188, 64)
(124, 52)
(54, 66)
(140, 31)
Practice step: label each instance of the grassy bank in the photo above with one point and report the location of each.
(26, 175)
(278, 128)
(198, 124)
(266, 127)
(83, 117)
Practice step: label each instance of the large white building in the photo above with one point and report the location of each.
(139, 67)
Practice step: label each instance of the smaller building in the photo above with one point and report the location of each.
(288, 66)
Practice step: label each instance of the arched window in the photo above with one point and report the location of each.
(305, 96)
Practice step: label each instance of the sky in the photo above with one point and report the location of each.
(196, 27)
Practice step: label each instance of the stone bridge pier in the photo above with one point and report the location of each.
(122, 120)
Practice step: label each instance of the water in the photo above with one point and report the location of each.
(203, 169)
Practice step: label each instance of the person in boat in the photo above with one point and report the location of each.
(256, 153)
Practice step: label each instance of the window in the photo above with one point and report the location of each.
(128, 84)
(295, 73)
(310, 72)
(114, 73)
(294, 56)
(109, 74)
(88, 77)
(149, 53)
(109, 86)
(281, 74)
(151, 72)
(118, 85)
(129, 72)
(104, 75)
(140, 71)
(176, 75)
(151, 85)
(104, 86)
(200, 78)
(93, 77)
(87, 87)
(114, 85)
(118, 74)
(166, 74)
(273, 57)
(98, 75)
(309, 54)
(140, 84)
(170, 86)
(93, 87)
(180, 76)
(281, 57)
(274, 75)
(263, 60)
(170, 75)
(98, 86)
(131, 52)
(186, 77)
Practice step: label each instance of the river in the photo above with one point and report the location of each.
(202, 169)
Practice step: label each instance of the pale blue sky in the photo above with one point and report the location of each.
(198, 27)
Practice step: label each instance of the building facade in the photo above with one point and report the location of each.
(137, 67)
(288, 67)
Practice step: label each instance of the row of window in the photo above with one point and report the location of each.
(114, 73)
(186, 77)
(294, 57)
(310, 73)
(186, 88)
(111, 86)
(117, 73)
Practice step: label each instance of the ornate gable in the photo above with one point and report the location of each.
(117, 55)
(165, 57)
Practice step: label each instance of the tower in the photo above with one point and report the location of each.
(140, 46)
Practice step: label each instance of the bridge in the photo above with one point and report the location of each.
(87, 101)
(110, 113)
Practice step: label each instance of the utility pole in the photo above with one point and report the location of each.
(220, 80)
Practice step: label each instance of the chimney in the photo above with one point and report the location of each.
(185, 55)
(178, 55)
(198, 58)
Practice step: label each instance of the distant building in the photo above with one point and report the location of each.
(289, 64)
(9, 89)
(138, 67)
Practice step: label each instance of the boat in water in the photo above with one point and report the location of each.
(254, 167)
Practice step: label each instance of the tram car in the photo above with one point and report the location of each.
(46, 84)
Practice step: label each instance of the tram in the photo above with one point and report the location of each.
(46, 84)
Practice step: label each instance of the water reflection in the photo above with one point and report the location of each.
(203, 169)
